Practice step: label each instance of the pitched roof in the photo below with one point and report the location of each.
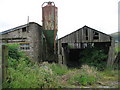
(13, 29)
(81, 29)
(17, 28)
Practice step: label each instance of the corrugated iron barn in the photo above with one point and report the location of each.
(72, 44)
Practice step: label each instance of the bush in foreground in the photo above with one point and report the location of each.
(22, 73)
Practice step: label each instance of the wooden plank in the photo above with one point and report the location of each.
(13, 38)
(111, 54)
(4, 62)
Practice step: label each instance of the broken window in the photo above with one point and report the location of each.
(24, 46)
(95, 35)
(24, 29)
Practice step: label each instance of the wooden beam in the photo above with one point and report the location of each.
(12, 38)
(4, 62)
(111, 54)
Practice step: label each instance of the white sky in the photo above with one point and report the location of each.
(101, 15)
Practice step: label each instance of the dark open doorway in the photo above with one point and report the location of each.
(73, 58)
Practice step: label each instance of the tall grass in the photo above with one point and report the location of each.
(86, 76)
(59, 69)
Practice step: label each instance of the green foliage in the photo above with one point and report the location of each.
(14, 52)
(110, 72)
(15, 55)
(93, 57)
(117, 48)
(59, 69)
(87, 76)
(25, 76)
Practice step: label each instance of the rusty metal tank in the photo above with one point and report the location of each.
(49, 16)
(50, 22)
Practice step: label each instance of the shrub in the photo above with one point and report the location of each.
(13, 51)
(24, 76)
(15, 56)
(93, 57)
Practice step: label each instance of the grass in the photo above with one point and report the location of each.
(86, 76)
(59, 69)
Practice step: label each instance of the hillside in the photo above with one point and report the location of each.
(116, 36)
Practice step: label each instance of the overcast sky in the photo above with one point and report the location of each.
(101, 15)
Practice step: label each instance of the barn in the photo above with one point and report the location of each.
(71, 45)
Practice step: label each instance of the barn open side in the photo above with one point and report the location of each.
(71, 45)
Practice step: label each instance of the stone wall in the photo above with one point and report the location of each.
(29, 35)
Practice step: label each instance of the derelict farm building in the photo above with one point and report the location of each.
(40, 43)
(71, 45)
(29, 36)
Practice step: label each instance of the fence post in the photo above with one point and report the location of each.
(4, 62)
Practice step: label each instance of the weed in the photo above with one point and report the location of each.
(59, 69)
(87, 76)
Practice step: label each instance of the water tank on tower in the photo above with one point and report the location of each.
(50, 22)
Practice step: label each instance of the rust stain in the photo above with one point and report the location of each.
(50, 18)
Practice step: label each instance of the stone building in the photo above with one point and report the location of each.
(39, 42)
(30, 37)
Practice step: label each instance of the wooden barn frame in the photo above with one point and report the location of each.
(80, 39)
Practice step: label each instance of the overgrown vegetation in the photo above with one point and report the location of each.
(93, 57)
(87, 76)
(22, 73)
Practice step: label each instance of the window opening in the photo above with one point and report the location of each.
(24, 29)
(24, 46)
(95, 35)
